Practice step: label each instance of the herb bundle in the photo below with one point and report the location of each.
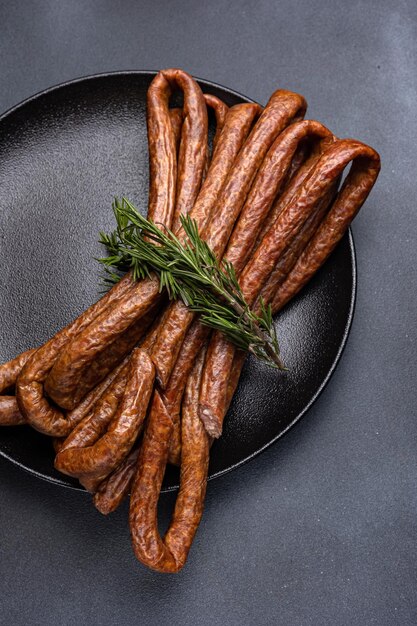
(189, 270)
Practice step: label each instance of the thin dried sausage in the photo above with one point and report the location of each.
(99, 459)
(282, 233)
(67, 371)
(283, 108)
(169, 554)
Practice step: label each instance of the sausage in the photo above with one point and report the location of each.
(115, 487)
(33, 404)
(108, 491)
(10, 371)
(220, 110)
(172, 395)
(103, 410)
(317, 146)
(10, 414)
(237, 125)
(113, 490)
(89, 401)
(94, 424)
(113, 354)
(95, 421)
(214, 385)
(290, 256)
(193, 145)
(163, 170)
(169, 554)
(100, 458)
(29, 386)
(66, 373)
(175, 115)
(217, 388)
(287, 226)
(162, 152)
(283, 108)
(355, 190)
(267, 184)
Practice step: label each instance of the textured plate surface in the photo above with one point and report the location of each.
(64, 155)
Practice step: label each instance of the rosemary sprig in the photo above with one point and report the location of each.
(189, 270)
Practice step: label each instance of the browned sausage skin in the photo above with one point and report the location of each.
(356, 188)
(237, 125)
(112, 491)
(175, 116)
(169, 554)
(84, 440)
(10, 371)
(193, 145)
(284, 232)
(164, 207)
(220, 112)
(267, 184)
(10, 414)
(283, 108)
(100, 458)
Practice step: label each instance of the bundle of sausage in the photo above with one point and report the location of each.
(136, 381)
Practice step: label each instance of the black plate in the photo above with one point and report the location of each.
(64, 155)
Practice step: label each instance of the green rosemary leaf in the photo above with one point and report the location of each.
(188, 269)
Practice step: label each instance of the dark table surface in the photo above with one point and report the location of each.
(321, 528)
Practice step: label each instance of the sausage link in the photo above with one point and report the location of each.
(10, 371)
(317, 146)
(238, 123)
(217, 388)
(169, 554)
(290, 256)
(32, 402)
(355, 190)
(283, 108)
(10, 414)
(69, 368)
(94, 422)
(113, 490)
(267, 184)
(163, 174)
(172, 395)
(312, 196)
(111, 448)
(220, 110)
(175, 115)
(88, 402)
(115, 487)
(162, 152)
(113, 354)
(109, 489)
(193, 145)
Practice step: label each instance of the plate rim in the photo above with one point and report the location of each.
(348, 324)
